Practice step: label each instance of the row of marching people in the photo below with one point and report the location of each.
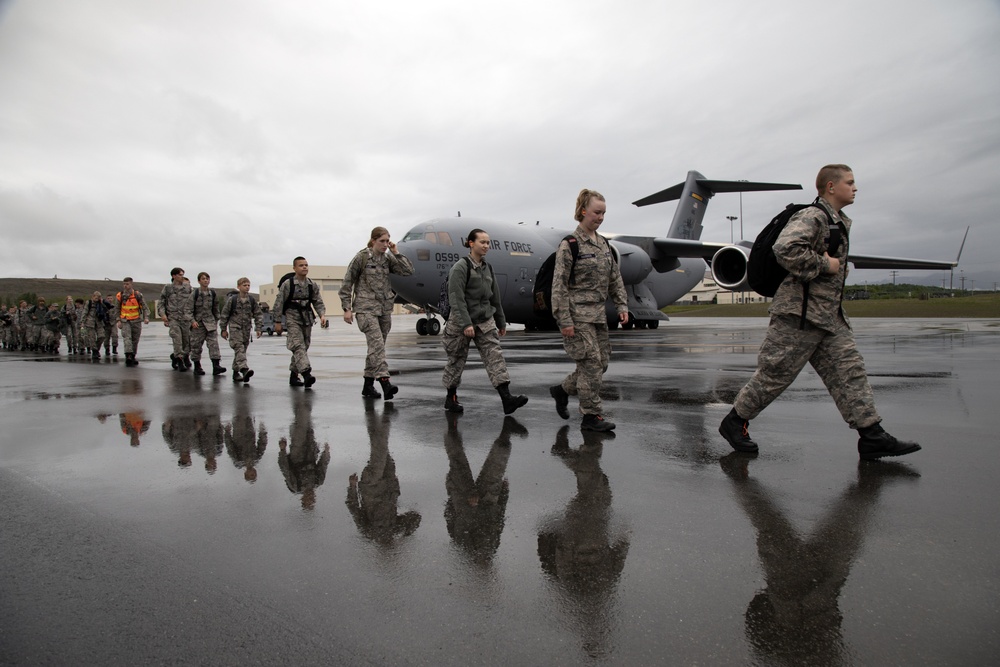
(84, 325)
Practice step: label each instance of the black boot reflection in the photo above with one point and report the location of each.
(577, 550)
(245, 444)
(302, 465)
(797, 619)
(374, 500)
(477, 506)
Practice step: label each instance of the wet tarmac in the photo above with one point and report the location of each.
(153, 517)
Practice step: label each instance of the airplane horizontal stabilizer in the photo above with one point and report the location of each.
(713, 187)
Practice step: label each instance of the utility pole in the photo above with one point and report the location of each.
(894, 277)
(731, 218)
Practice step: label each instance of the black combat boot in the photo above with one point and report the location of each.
(736, 431)
(510, 403)
(130, 359)
(388, 389)
(294, 380)
(451, 403)
(114, 350)
(107, 350)
(95, 353)
(217, 368)
(307, 378)
(368, 391)
(247, 374)
(187, 362)
(596, 423)
(174, 362)
(198, 370)
(237, 376)
(875, 443)
(562, 400)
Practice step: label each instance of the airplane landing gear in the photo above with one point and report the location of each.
(428, 326)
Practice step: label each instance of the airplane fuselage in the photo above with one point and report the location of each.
(516, 254)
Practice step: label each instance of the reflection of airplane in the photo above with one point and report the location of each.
(657, 271)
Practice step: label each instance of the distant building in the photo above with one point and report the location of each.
(708, 291)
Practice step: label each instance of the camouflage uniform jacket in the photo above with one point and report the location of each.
(366, 281)
(203, 308)
(52, 320)
(299, 304)
(174, 302)
(800, 248)
(243, 313)
(94, 312)
(474, 295)
(595, 277)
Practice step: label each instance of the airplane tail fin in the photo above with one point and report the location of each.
(693, 195)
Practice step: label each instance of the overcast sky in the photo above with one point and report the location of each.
(231, 135)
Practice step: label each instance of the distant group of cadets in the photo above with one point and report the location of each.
(585, 276)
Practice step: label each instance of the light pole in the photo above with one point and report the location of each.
(731, 219)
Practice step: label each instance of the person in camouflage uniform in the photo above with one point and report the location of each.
(175, 313)
(298, 298)
(580, 291)
(367, 294)
(95, 320)
(476, 317)
(203, 309)
(35, 323)
(22, 325)
(241, 314)
(110, 339)
(822, 336)
(131, 312)
(70, 327)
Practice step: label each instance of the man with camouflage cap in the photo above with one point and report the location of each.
(808, 324)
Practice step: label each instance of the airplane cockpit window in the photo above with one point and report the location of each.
(413, 235)
(444, 238)
(430, 237)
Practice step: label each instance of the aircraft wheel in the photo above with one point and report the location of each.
(612, 325)
(422, 326)
(654, 324)
(433, 327)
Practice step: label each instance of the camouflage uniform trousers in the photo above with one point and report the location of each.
(376, 330)
(91, 337)
(71, 332)
(590, 348)
(239, 341)
(833, 354)
(35, 334)
(180, 336)
(131, 331)
(298, 337)
(110, 337)
(48, 338)
(487, 340)
(201, 336)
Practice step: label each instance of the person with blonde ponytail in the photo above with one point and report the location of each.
(580, 290)
(367, 294)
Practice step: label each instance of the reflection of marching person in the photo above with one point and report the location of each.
(302, 465)
(131, 312)
(477, 506)
(373, 500)
(476, 317)
(581, 284)
(245, 444)
(367, 294)
(796, 619)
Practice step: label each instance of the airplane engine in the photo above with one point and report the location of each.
(633, 260)
(729, 267)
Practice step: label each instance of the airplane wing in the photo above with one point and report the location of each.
(669, 247)
(876, 262)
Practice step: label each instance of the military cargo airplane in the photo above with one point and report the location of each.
(656, 271)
